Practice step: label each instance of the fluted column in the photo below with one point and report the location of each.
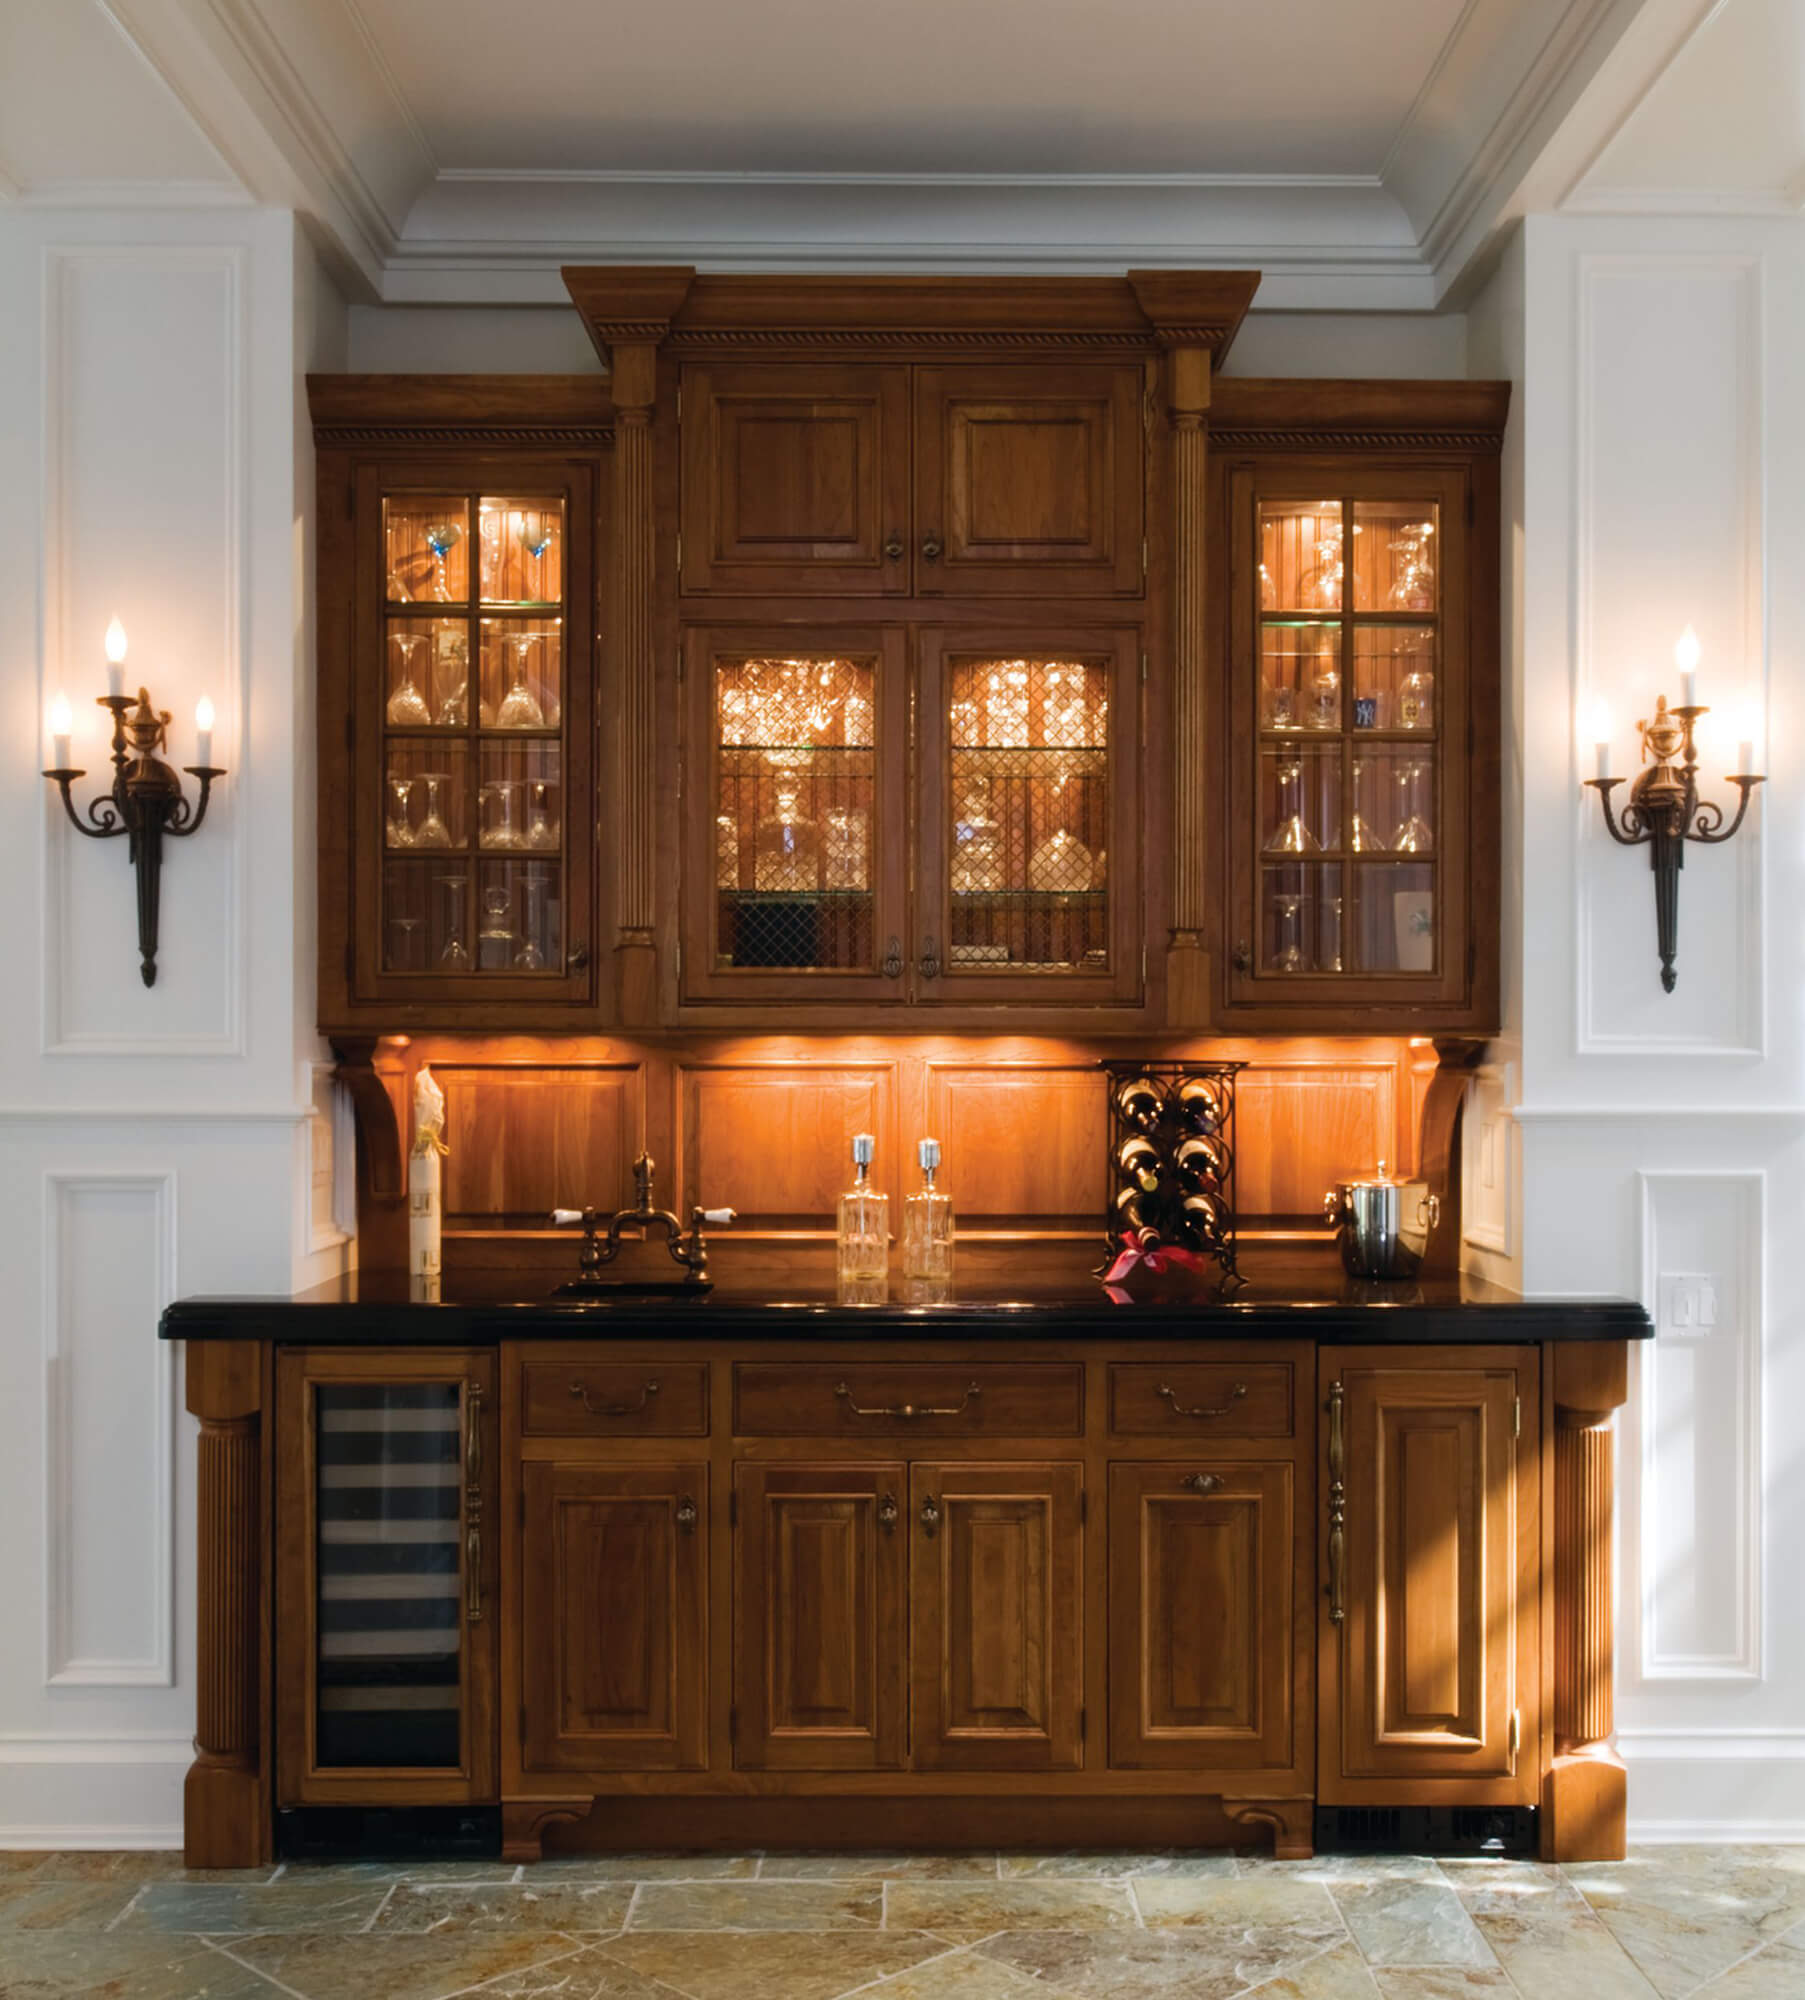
(633, 384)
(1187, 965)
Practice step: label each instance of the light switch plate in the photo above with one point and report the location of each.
(1687, 1304)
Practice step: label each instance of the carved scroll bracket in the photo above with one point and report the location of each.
(375, 1074)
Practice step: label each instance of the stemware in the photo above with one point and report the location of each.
(1291, 952)
(1413, 835)
(401, 827)
(1293, 835)
(1325, 700)
(401, 957)
(407, 707)
(520, 706)
(503, 832)
(1361, 838)
(454, 710)
(495, 941)
(530, 958)
(1330, 957)
(1416, 700)
(441, 538)
(454, 956)
(539, 830)
(433, 832)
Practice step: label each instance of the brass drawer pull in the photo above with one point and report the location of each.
(972, 1393)
(1202, 1482)
(887, 1512)
(893, 960)
(1170, 1395)
(930, 1515)
(647, 1391)
(930, 549)
(686, 1515)
(1337, 1507)
(473, 1505)
(893, 549)
(473, 1575)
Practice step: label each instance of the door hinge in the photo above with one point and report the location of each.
(1143, 558)
(1516, 1416)
(1143, 670)
(1514, 1738)
(677, 948)
(679, 555)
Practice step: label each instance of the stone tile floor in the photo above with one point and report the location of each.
(1727, 1923)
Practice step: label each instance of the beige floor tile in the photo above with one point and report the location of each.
(769, 1965)
(1302, 1911)
(1124, 1964)
(320, 1903)
(495, 1870)
(758, 1906)
(585, 1974)
(72, 1965)
(642, 1868)
(488, 1906)
(33, 1905)
(1551, 1942)
(1336, 1974)
(1399, 1920)
(975, 1867)
(964, 1910)
(332, 1966)
(1775, 1972)
(1111, 1866)
(1687, 1914)
(1444, 1982)
(963, 1975)
(132, 1865)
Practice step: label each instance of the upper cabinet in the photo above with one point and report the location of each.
(1358, 610)
(457, 634)
(815, 479)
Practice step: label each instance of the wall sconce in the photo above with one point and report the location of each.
(1664, 810)
(146, 800)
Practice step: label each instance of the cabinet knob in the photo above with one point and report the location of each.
(930, 1515)
(930, 960)
(1241, 958)
(893, 549)
(893, 960)
(887, 1512)
(686, 1515)
(1202, 1482)
(930, 549)
(578, 961)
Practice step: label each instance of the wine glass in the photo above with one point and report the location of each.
(1293, 836)
(503, 833)
(455, 954)
(1361, 838)
(441, 538)
(407, 705)
(1325, 699)
(1291, 952)
(1413, 835)
(520, 706)
(539, 830)
(433, 831)
(1330, 959)
(454, 710)
(1416, 700)
(401, 827)
(529, 958)
(495, 941)
(401, 957)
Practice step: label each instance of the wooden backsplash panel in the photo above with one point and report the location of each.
(1298, 1126)
(1017, 1139)
(773, 1140)
(526, 1141)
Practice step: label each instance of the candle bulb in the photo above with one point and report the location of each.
(61, 723)
(1601, 734)
(1685, 655)
(1745, 759)
(203, 733)
(115, 658)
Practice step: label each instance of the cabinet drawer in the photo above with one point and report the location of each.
(893, 1399)
(614, 1398)
(1201, 1399)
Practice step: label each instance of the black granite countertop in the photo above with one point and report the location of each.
(1023, 1291)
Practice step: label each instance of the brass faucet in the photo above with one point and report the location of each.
(687, 1247)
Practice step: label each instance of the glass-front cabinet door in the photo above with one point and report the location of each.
(793, 815)
(385, 1579)
(475, 740)
(1029, 884)
(1349, 847)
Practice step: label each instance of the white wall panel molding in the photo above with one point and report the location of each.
(1709, 1745)
(108, 1429)
(1490, 1161)
(1590, 1114)
(154, 1116)
(1669, 509)
(146, 484)
(1693, 1510)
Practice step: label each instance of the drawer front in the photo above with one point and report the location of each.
(903, 1399)
(652, 1398)
(1201, 1400)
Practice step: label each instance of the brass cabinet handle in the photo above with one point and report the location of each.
(972, 1392)
(893, 959)
(1168, 1394)
(930, 960)
(473, 1505)
(930, 549)
(647, 1391)
(1337, 1506)
(930, 1515)
(887, 1513)
(1202, 1482)
(893, 549)
(686, 1515)
(1241, 958)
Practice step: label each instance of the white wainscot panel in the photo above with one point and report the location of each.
(1693, 1515)
(1670, 532)
(109, 1430)
(1488, 1141)
(144, 446)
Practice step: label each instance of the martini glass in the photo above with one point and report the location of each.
(401, 827)
(539, 829)
(529, 958)
(407, 705)
(520, 706)
(433, 831)
(401, 959)
(1414, 834)
(455, 954)
(441, 538)
(1291, 952)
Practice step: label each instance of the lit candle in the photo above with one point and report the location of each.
(115, 658)
(61, 722)
(1685, 655)
(1601, 732)
(1745, 758)
(203, 732)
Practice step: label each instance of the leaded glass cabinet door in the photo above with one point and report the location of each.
(1350, 848)
(475, 743)
(794, 815)
(1029, 883)
(386, 1603)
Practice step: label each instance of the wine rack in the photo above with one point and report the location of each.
(1172, 1158)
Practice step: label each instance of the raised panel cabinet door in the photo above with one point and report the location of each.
(386, 1551)
(1028, 480)
(1430, 1522)
(995, 1617)
(614, 1595)
(821, 1642)
(1201, 1561)
(795, 480)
